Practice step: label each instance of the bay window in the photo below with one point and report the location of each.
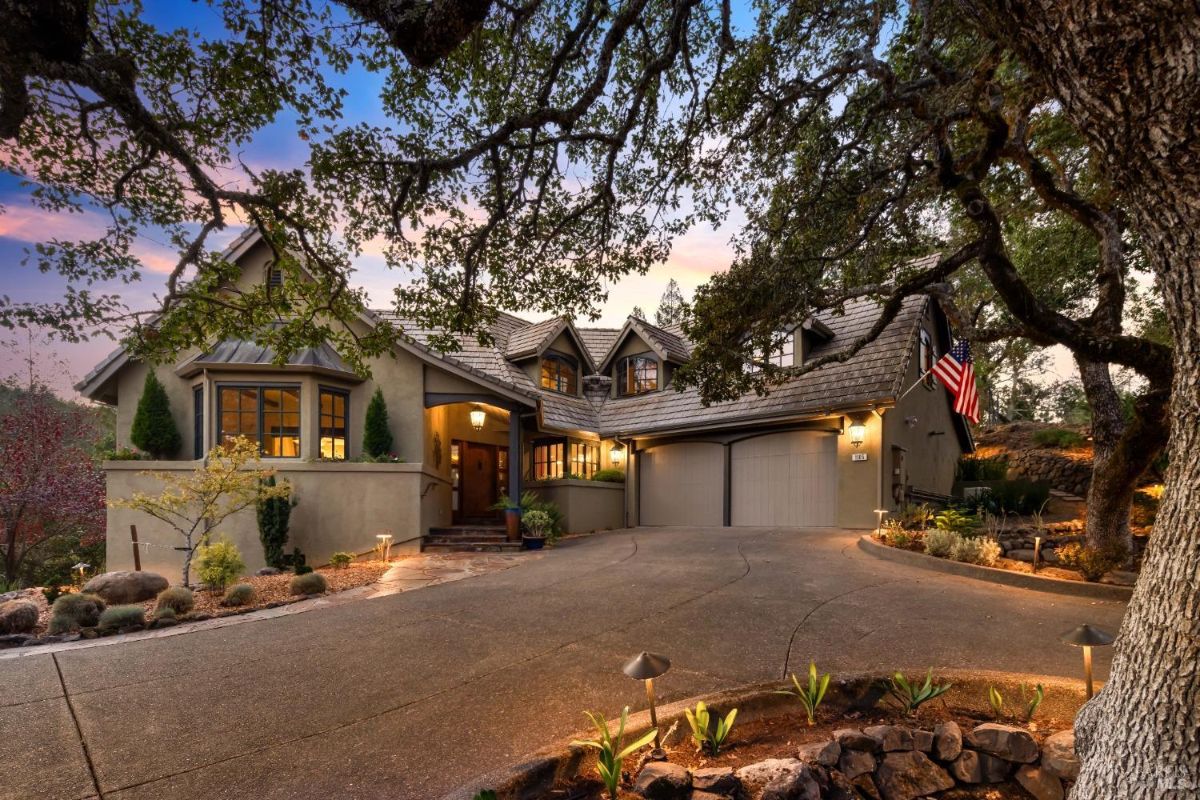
(334, 423)
(269, 415)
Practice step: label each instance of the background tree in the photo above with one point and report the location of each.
(377, 432)
(194, 504)
(153, 430)
(670, 306)
(637, 312)
(50, 485)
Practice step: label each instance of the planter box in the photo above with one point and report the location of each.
(586, 505)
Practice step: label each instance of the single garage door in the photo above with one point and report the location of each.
(787, 479)
(682, 484)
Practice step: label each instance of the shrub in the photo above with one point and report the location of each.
(377, 435)
(981, 469)
(976, 550)
(274, 514)
(240, 595)
(916, 517)
(1058, 437)
(177, 598)
(538, 522)
(941, 543)
(610, 475)
(1093, 562)
(954, 520)
(308, 583)
(297, 561)
(18, 616)
(165, 612)
(117, 617)
(78, 610)
(303, 569)
(153, 427)
(60, 624)
(1018, 496)
(341, 560)
(219, 563)
(530, 501)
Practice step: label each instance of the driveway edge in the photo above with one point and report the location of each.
(1097, 591)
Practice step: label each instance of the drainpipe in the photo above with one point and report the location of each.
(879, 489)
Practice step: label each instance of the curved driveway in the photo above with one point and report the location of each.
(410, 695)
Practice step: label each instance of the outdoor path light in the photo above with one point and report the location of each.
(880, 513)
(1087, 637)
(385, 546)
(646, 667)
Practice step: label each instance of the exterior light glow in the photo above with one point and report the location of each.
(858, 433)
(880, 513)
(385, 546)
(617, 453)
(478, 417)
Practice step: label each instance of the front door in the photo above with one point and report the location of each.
(478, 485)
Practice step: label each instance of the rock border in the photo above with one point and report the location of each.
(538, 772)
(1021, 580)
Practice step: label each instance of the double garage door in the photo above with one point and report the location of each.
(780, 479)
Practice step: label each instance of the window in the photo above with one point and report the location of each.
(455, 475)
(274, 277)
(782, 354)
(269, 415)
(559, 374)
(926, 360)
(548, 460)
(637, 374)
(198, 422)
(585, 459)
(334, 427)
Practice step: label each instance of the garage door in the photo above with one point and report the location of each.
(785, 479)
(682, 484)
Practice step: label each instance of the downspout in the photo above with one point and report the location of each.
(879, 488)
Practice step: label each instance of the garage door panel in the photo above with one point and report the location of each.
(785, 479)
(683, 484)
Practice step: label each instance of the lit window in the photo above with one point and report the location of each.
(334, 426)
(585, 459)
(559, 374)
(926, 359)
(636, 375)
(548, 460)
(268, 415)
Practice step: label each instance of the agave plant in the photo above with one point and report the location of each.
(709, 737)
(912, 696)
(809, 696)
(609, 753)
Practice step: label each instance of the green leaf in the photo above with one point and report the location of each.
(646, 739)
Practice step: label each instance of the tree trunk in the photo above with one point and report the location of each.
(1128, 76)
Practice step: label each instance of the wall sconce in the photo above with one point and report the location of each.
(616, 454)
(478, 417)
(1087, 637)
(858, 433)
(646, 667)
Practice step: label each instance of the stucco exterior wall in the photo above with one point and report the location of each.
(340, 507)
(586, 505)
(858, 481)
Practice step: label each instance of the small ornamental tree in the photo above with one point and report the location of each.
(274, 513)
(377, 436)
(154, 428)
(195, 503)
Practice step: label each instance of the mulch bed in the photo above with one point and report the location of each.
(269, 590)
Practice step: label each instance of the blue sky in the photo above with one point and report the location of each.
(694, 258)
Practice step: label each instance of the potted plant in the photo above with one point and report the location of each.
(537, 525)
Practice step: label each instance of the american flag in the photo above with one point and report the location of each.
(956, 370)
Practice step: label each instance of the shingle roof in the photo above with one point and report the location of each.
(533, 338)
(238, 351)
(598, 341)
(670, 339)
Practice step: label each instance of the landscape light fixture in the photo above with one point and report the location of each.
(880, 513)
(646, 667)
(616, 453)
(82, 569)
(478, 417)
(385, 546)
(1037, 551)
(1087, 637)
(858, 433)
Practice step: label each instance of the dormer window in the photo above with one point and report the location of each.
(782, 354)
(274, 277)
(637, 375)
(560, 374)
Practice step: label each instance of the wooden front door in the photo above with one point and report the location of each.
(479, 489)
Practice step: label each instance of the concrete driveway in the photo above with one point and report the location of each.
(412, 695)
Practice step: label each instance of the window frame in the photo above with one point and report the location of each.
(198, 421)
(561, 359)
(559, 442)
(334, 391)
(622, 382)
(259, 414)
(926, 358)
(590, 460)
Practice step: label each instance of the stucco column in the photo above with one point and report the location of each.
(514, 455)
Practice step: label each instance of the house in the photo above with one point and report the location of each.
(546, 406)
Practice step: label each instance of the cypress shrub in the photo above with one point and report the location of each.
(154, 428)
(274, 514)
(377, 437)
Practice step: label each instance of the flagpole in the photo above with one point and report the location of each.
(926, 374)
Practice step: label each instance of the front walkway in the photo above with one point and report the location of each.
(410, 695)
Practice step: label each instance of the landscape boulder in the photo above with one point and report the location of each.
(891, 737)
(10, 640)
(856, 762)
(717, 780)
(923, 741)
(824, 753)
(910, 774)
(662, 780)
(974, 767)
(1058, 755)
(18, 616)
(1005, 741)
(947, 741)
(763, 772)
(123, 587)
(799, 784)
(854, 739)
(1040, 783)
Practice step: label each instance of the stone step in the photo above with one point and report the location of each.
(469, 546)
